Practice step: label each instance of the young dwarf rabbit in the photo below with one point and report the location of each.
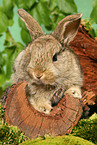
(48, 64)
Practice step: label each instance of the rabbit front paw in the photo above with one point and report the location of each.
(45, 108)
(41, 105)
(75, 92)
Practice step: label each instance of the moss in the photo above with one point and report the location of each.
(2, 112)
(87, 129)
(9, 134)
(59, 140)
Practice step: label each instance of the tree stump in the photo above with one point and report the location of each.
(69, 110)
(20, 113)
(86, 49)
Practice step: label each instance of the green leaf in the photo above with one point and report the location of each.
(2, 78)
(1, 93)
(22, 24)
(88, 26)
(45, 30)
(8, 40)
(9, 68)
(94, 3)
(29, 3)
(94, 14)
(8, 36)
(3, 22)
(19, 48)
(52, 4)
(92, 33)
(20, 3)
(8, 6)
(2, 60)
(67, 6)
(11, 21)
(26, 4)
(1, 35)
(41, 13)
(9, 60)
(43, 1)
(25, 36)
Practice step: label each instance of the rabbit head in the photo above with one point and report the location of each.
(46, 60)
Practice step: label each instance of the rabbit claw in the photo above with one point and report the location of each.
(75, 92)
(41, 105)
(45, 108)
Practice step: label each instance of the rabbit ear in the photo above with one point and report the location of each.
(33, 27)
(67, 28)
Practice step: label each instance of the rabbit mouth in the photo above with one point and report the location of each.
(44, 85)
(49, 87)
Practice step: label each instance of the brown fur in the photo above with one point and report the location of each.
(48, 77)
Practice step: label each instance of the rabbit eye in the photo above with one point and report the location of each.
(55, 57)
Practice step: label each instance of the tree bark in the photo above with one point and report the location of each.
(86, 49)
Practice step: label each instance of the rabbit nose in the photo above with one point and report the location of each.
(37, 76)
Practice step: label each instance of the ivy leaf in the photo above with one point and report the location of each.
(26, 4)
(94, 3)
(20, 3)
(11, 22)
(94, 14)
(19, 46)
(60, 17)
(52, 4)
(2, 60)
(25, 36)
(2, 79)
(8, 38)
(29, 3)
(8, 8)
(9, 51)
(9, 68)
(1, 35)
(22, 24)
(41, 13)
(18, 49)
(67, 6)
(3, 22)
